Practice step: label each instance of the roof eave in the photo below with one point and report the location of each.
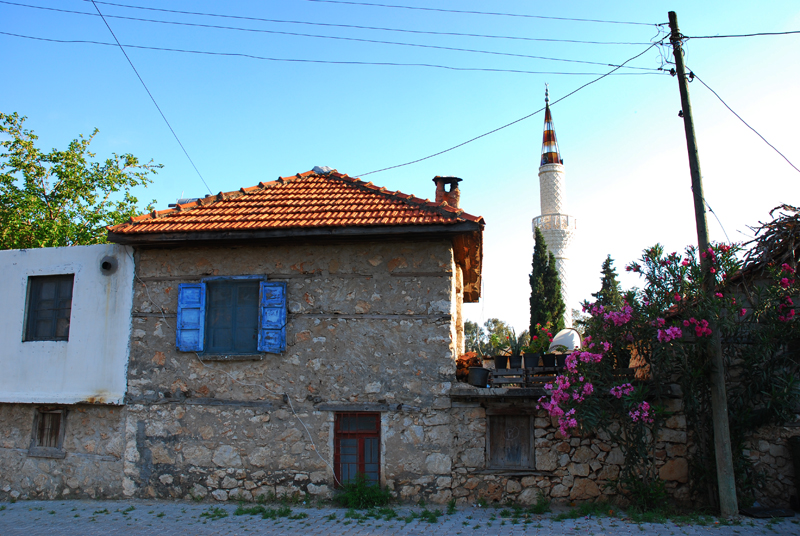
(146, 239)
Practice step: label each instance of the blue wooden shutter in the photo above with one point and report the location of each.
(191, 317)
(272, 318)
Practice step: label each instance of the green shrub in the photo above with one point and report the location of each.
(362, 494)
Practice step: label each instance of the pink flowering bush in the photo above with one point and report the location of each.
(665, 331)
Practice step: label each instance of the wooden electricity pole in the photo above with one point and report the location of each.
(719, 401)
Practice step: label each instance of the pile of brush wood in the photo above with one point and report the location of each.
(470, 359)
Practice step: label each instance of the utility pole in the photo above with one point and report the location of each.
(719, 401)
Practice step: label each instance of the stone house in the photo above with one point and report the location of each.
(291, 335)
(65, 333)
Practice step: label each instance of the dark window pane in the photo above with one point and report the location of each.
(49, 429)
(49, 307)
(371, 453)
(232, 317)
(367, 423)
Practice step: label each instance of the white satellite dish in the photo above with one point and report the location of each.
(568, 337)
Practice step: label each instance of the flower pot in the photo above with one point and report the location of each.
(532, 359)
(500, 362)
(549, 360)
(515, 362)
(478, 376)
(561, 360)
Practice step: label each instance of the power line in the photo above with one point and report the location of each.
(330, 62)
(338, 38)
(741, 35)
(359, 27)
(151, 97)
(478, 12)
(742, 120)
(513, 122)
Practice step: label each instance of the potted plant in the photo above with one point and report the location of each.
(500, 353)
(539, 344)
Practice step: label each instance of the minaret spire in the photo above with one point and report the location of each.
(550, 153)
(558, 227)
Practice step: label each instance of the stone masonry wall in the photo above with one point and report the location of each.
(566, 469)
(92, 467)
(370, 324)
(768, 449)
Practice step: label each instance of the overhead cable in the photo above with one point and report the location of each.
(356, 26)
(511, 123)
(478, 12)
(152, 98)
(338, 38)
(330, 62)
(694, 75)
(740, 35)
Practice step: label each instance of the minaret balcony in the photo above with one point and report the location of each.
(555, 222)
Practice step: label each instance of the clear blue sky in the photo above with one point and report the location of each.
(244, 120)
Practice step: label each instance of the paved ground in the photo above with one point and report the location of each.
(163, 518)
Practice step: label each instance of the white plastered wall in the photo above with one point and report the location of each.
(92, 365)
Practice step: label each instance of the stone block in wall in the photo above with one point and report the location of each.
(546, 460)
(578, 469)
(583, 454)
(676, 469)
(227, 456)
(671, 436)
(438, 464)
(583, 489)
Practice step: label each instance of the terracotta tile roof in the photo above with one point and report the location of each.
(307, 200)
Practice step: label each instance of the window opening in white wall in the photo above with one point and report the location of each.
(49, 307)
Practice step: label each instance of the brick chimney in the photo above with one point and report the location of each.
(451, 195)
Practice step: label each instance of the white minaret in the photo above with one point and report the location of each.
(557, 227)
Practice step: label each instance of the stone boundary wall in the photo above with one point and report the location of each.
(768, 449)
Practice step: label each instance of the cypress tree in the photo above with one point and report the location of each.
(546, 302)
(539, 268)
(609, 293)
(555, 302)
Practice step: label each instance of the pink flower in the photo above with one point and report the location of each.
(685, 262)
(742, 312)
(620, 390)
(786, 268)
(677, 297)
(666, 335)
(718, 294)
(713, 270)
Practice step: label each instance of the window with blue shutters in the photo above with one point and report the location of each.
(232, 316)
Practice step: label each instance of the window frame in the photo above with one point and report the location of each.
(492, 416)
(32, 307)
(192, 326)
(37, 449)
(360, 436)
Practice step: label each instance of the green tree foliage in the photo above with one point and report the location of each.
(62, 198)
(609, 293)
(547, 305)
(474, 338)
(552, 288)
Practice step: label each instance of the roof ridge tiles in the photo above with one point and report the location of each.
(307, 199)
